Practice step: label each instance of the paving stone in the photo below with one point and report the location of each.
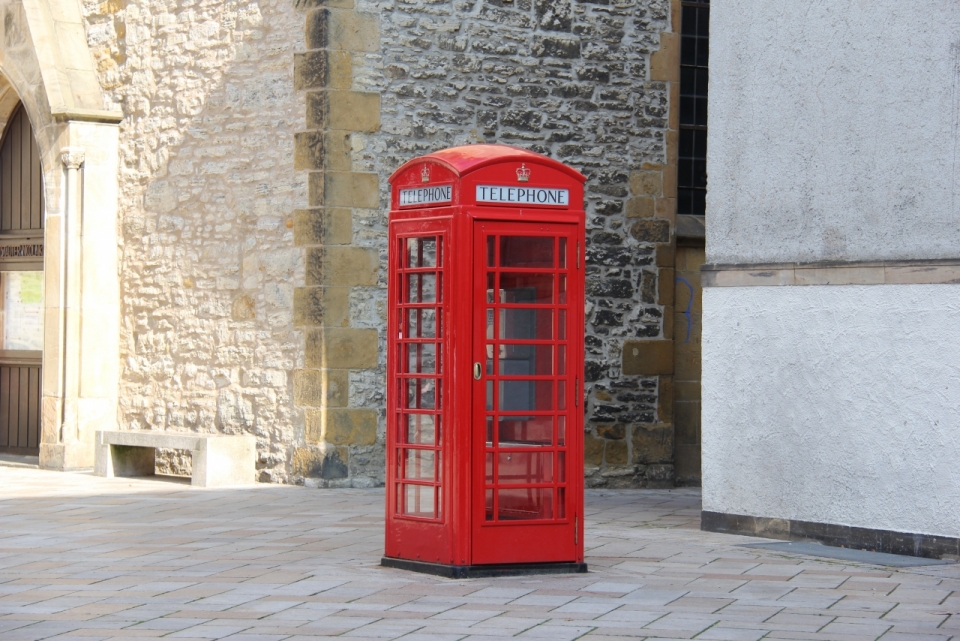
(128, 559)
(719, 633)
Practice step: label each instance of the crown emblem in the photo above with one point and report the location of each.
(523, 174)
(425, 174)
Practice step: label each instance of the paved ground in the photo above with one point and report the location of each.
(89, 558)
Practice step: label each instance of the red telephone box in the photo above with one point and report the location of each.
(485, 364)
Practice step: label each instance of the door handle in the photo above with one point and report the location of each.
(477, 371)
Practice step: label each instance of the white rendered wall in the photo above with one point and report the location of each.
(834, 131)
(834, 404)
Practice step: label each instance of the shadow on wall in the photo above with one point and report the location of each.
(207, 197)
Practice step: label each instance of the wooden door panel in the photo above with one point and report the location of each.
(21, 184)
(20, 408)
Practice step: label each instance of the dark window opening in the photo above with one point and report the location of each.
(694, 50)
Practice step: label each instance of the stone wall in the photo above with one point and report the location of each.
(254, 195)
(588, 83)
(208, 264)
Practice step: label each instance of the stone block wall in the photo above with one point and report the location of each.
(208, 261)
(589, 83)
(341, 306)
(255, 150)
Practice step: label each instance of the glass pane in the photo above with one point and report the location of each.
(418, 501)
(536, 289)
(489, 430)
(525, 430)
(563, 289)
(684, 201)
(526, 360)
(688, 49)
(423, 322)
(699, 144)
(490, 323)
(422, 252)
(686, 112)
(428, 252)
(421, 393)
(491, 252)
(689, 20)
(419, 465)
(561, 430)
(532, 323)
(700, 173)
(515, 468)
(562, 467)
(413, 253)
(488, 502)
(421, 358)
(491, 286)
(525, 396)
(562, 324)
(489, 467)
(489, 395)
(561, 396)
(22, 310)
(702, 55)
(532, 503)
(421, 288)
(561, 503)
(413, 288)
(421, 429)
(526, 251)
(563, 253)
(561, 359)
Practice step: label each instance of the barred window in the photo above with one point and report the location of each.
(694, 49)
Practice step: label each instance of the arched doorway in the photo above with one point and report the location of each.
(21, 286)
(48, 74)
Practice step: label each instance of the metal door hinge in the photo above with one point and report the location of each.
(576, 530)
(578, 254)
(576, 392)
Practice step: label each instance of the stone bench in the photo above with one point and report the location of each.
(218, 459)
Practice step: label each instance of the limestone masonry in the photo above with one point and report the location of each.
(255, 143)
(208, 265)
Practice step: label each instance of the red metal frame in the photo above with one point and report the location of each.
(458, 493)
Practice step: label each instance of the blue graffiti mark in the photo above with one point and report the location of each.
(688, 310)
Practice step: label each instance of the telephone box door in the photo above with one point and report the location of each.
(527, 423)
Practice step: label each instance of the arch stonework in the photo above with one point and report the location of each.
(46, 64)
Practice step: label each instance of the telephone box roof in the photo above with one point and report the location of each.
(468, 158)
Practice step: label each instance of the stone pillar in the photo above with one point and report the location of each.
(81, 367)
(337, 347)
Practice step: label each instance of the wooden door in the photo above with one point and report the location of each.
(21, 287)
